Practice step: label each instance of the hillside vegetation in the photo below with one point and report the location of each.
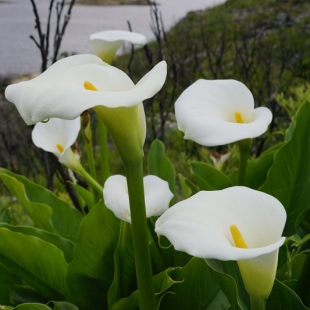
(264, 44)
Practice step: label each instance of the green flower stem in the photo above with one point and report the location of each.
(122, 251)
(258, 303)
(134, 173)
(87, 138)
(90, 180)
(244, 150)
(104, 150)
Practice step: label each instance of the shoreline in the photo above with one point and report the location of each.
(112, 2)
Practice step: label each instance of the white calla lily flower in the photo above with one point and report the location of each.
(156, 191)
(77, 83)
(59, 92)
(236, 223)
(218, 112)
(56, 136)
(106, 43)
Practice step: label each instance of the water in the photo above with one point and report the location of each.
(18, 54)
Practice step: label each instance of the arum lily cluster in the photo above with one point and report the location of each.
(237, 223)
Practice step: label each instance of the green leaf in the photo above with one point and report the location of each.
(185, 188)
(160, 165)
(91, 272)
(208, 177)
(257, 169)
(162, 282)
(65, 245)
(197, 289)
(7, 280)
(283, 298)
(39, 263)
(288, 178)
(63, 305)
(32, 306)
(87, 196)
(46, 209)
(228, 277)
(24, 294)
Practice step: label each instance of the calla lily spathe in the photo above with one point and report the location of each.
(218, 112)
(57, 136)
(106, 43)
(200, 226)
(156, 191)
(77, 83)
(59, 92)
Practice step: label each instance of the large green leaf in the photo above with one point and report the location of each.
(32, 306)
(162, 282)
(56, 306)
(24, 294)
(62, 305)
(124, 282)
(283, 298)
(91, 272)
(40, 264)
(257, 169)
(208, 177)
(197, 289)
(65, 245)
(87, 196)
(160, 165)
(229, 279)
(7, 280)
(288, 178)
(45, 208)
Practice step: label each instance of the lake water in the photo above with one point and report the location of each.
(18, 54)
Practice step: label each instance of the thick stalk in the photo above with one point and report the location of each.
(122, 251)
(244, 150)
(87, 138)
(258, 303)
(91, 181)
(104, 150)
(134, 173)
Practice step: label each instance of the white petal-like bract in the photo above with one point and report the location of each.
(106, 43)
(55, 132)
(205, 112)
(59, 92)
(200, 225)
(156, 191)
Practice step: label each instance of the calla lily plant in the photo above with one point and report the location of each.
(236, 223)
(156, 191)
(106, 43)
